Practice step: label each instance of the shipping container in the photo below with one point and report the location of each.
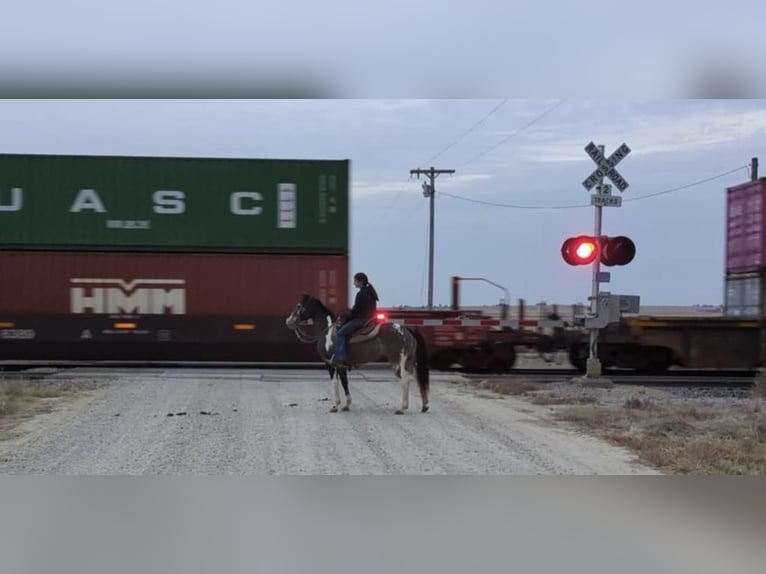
(745, 237)
(52, 202)
(154, 306)
(744, 294)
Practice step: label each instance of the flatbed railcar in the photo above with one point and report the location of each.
(471, 341)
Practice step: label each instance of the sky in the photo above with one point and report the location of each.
(515, 196)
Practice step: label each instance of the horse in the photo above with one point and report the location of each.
(404, 349)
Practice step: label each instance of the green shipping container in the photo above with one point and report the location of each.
(174, 204)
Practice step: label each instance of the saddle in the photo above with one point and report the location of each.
(370, 330)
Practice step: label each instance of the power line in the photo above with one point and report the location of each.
(540, 207)
(473, 127)
(514, 134)
(700, 182)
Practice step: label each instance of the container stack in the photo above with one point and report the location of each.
(150, 258)
(745, 282)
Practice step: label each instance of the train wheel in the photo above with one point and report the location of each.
(443, 361)
(502, 362)
(578, 356)
(473, 360)
(658, 360)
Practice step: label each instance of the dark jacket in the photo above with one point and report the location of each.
(365, 305)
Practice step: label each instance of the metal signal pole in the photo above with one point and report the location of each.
(430, 191)
(593, 365)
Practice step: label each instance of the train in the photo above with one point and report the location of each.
(124, 258)
(171, 259)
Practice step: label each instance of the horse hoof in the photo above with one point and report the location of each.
(346, 409)
(424, 409)
(399, 412)
(334, 410)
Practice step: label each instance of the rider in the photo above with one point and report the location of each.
(363, 310)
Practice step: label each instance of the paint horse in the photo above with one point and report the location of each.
(403, 348)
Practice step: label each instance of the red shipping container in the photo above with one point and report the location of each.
(160, 306)
(745, 217)
(168, 283)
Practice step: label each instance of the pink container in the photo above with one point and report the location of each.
(746, 227)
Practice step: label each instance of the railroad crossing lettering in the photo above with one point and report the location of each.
(606, 166)
(606, 200)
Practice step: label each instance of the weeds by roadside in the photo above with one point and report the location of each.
(22, 399)
(676, 435)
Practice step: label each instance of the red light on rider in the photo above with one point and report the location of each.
(380, 317)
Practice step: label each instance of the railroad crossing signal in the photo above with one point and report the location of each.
(610, 251)
(606, 166)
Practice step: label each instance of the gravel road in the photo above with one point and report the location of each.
(259, 422)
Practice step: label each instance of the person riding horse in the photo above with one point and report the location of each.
(365, 306)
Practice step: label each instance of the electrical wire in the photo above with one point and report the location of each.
(473, 127)
(398, 194)
(540, 207)
(514, 134)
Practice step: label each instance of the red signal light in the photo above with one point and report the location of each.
(380, 317)
(580, 250)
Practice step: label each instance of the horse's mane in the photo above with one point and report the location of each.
(324, 308)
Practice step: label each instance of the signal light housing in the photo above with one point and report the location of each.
(580, 250)
(618, 250)
(611, 251)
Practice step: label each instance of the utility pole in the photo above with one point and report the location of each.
(429, 191)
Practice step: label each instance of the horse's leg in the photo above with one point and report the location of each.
(336, 388)
(404, 380)
(424, 400)
(344, 381)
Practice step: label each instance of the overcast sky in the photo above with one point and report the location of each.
(524, 159)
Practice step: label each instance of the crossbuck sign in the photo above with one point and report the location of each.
(606, 166)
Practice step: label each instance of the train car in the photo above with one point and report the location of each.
(654, 344)
(152, 259)
(471, 341)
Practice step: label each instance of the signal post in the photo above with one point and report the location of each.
(597, 249)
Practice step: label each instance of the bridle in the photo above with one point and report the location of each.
(296, 326)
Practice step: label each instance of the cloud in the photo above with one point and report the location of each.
(366, 189)
(651, 134)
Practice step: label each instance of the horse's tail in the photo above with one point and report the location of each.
(421, 358)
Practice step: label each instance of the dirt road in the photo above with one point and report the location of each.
(257, 422)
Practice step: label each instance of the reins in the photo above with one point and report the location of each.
(303, 337)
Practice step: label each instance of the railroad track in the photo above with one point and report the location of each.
(673, 377)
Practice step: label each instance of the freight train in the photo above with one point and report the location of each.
(166, 259)
(117, 258)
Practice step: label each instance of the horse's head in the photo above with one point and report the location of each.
(303, 312)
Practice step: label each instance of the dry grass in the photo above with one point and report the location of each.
(682, 439)
(508, 386)
(676, 437)
(23, 399)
